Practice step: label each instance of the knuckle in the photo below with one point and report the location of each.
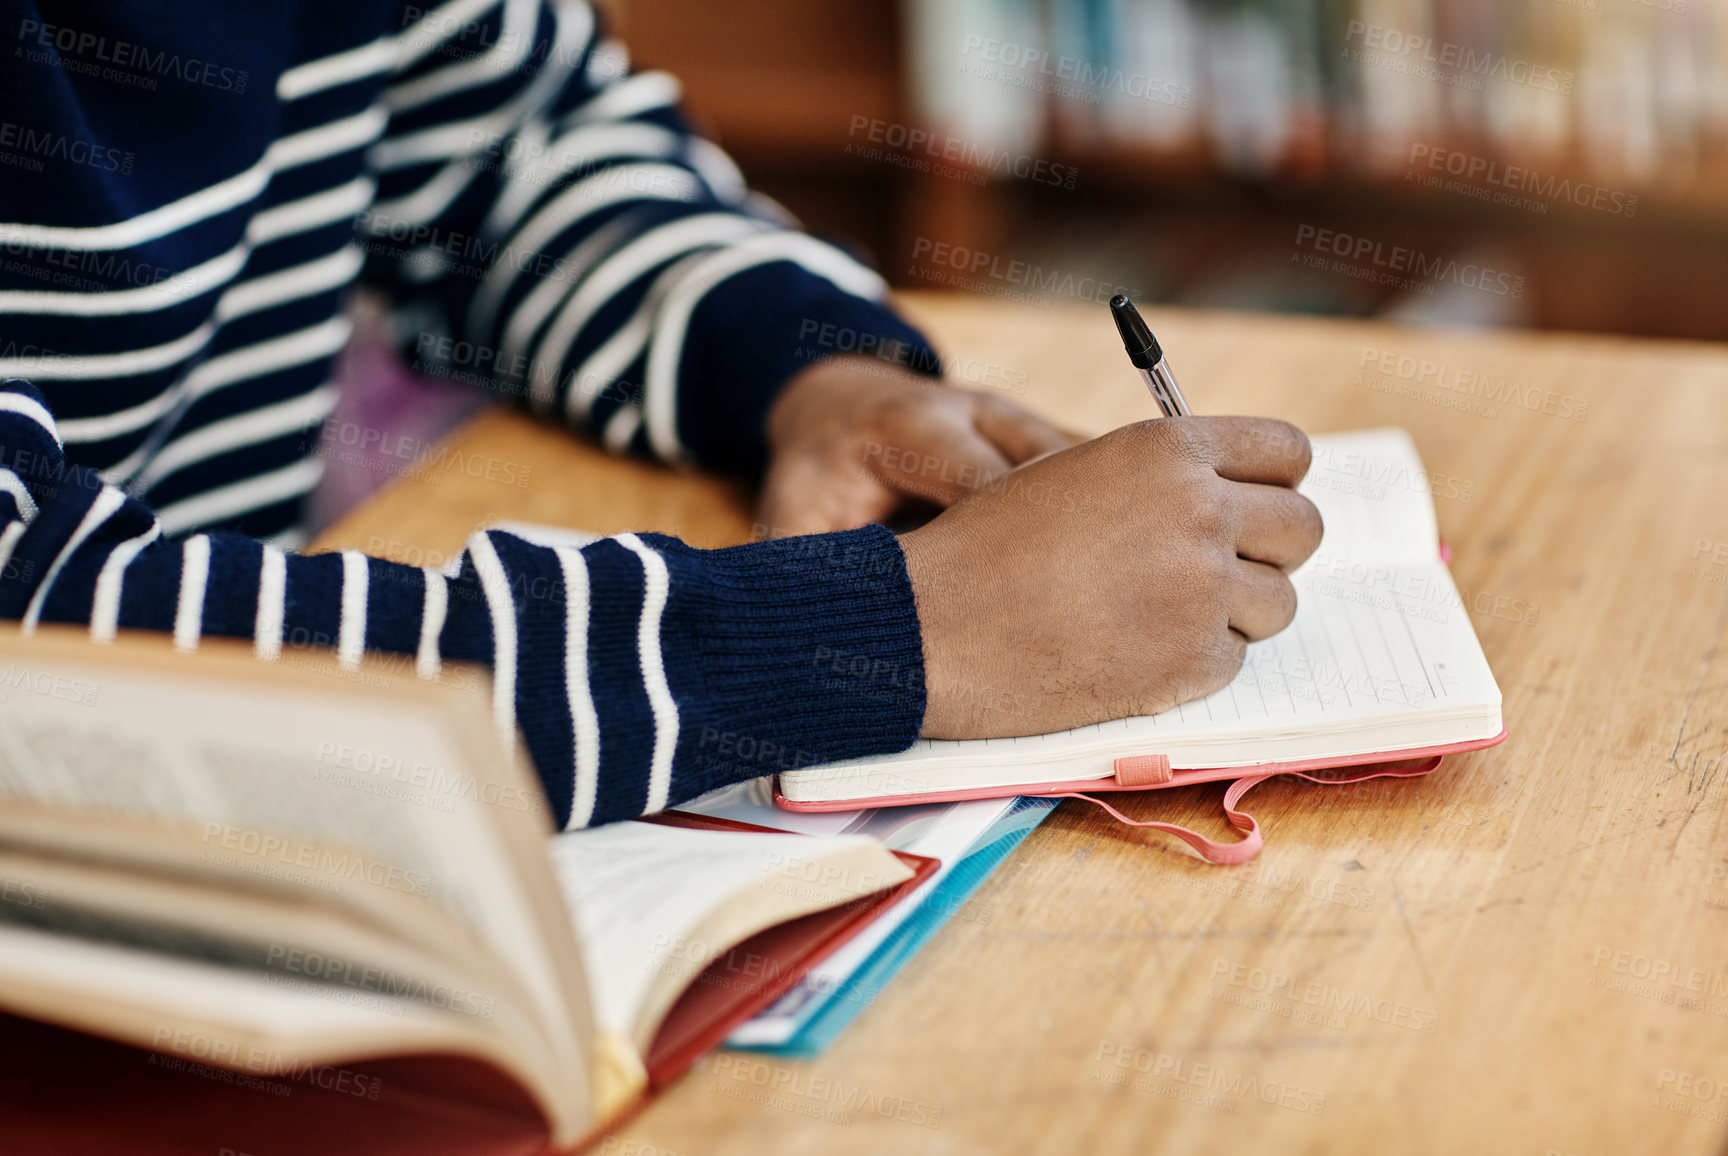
(1221, 660)
(1281, 438)
(1164, 437)
(899, 410)
(1282, 595)
(1312, 525)
(1209, 515)
(1219, 569)
(1182, 436)
(1297, 446)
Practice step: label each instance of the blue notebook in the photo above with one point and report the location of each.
(823, 1018)
(968, 838)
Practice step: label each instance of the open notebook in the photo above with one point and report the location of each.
(1381, 663)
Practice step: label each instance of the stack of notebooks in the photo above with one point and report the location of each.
(969, 839)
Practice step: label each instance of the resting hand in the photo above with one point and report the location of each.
(851, 440)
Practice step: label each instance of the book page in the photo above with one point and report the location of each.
(652, 902)
(240, 1020)
(318, 780)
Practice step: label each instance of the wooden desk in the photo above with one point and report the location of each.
(1525, 953)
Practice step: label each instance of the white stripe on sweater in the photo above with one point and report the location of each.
(530, 315)
(237, 365)
(609, 61)
(660, 380)
(158, 222)
(435, 604)
(244, 297)
(436, 195)
(427, 201)
(433, 30)
(332, 271)
(495, 585)
(584, 719)
(9, 542)
(94, 429)
(524, 149)
(108, 500)
(515, 41)
(291, 218)
(724, 177)
(224, 502)
(604, 366)
(445, 141)
(327, 140)
(243, 429)
(621, 427)
(659, 183)
(658, 583)
(83, 367)
(111, 582)
(31, 408)
(272, 604)
(655, 247)
(249, 361)
(351, 626)
(194, 577)
(530, 180)
(342, 68)
(11, 483)
(184, 286)
(328, 272)
(626, 98)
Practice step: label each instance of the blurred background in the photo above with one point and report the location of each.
(1546, 163)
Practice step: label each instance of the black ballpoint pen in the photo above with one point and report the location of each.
(1148, 357)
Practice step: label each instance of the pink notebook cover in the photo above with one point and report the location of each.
(1140, 773)
(1149, 772)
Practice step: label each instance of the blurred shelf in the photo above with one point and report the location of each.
(783, 85)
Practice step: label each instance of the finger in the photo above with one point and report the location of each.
(1019, 434)
(1274, 525)
(807, 495)
(945, 460)
(1253, 449)
(1262, 602)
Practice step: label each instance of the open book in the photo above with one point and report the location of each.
(1380, 663)
(292, 868)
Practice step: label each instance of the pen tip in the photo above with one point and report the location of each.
(1137, 337)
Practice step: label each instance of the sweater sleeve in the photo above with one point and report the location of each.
(641, 672)
(551, 229)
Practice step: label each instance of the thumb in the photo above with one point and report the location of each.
(807, 494)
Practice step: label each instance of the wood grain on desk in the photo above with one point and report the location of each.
(1525, 953)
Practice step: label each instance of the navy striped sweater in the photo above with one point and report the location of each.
(188, 188)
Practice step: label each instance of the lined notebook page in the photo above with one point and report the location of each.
(1381, 654)
(1374, 497)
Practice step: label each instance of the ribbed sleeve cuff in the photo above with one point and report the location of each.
(752, 333)
(788, 653)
